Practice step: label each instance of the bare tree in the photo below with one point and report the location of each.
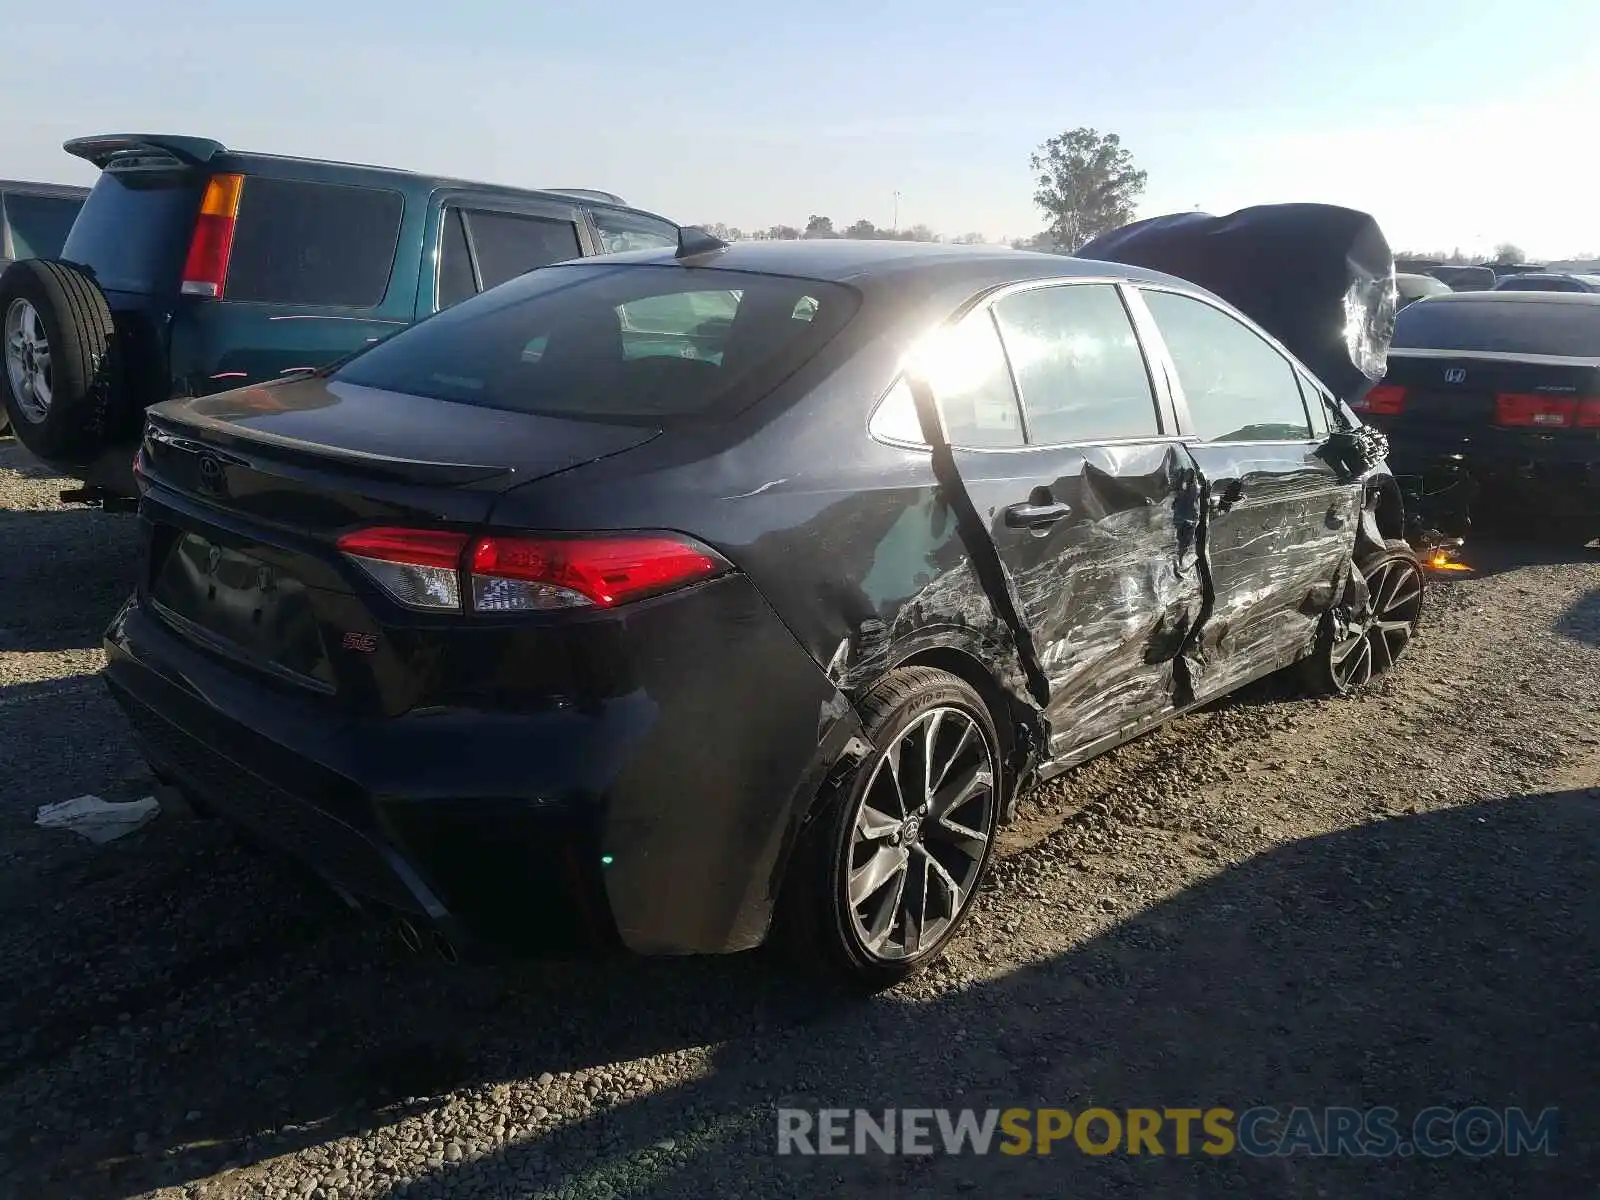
(1507, 253)
(1086, 184)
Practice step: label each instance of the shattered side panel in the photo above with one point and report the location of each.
(1110, 593)
(1280, 532)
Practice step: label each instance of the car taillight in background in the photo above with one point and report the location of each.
(205, 272)
(424, 569)
(1532, 410)
(1384, 400)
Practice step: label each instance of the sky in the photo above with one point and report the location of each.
(1453, 123)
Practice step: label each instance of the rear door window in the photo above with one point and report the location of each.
(1078, 364)
(313, 243)
(1237, 386)
(965, 367)
(633, 231)
(610, 343)
(512, 244)
(39, 224)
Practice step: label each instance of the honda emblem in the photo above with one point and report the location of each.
(1455, 375)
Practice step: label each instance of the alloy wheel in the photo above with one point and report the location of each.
(920, 835)
(1369, 644)
(27, 351)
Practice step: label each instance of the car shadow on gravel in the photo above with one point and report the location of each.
(191, 1005)
(81, 564)
(1445, 959)
(1581, 622)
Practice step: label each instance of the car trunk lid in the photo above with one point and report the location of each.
(246, 494)
(1454, 392)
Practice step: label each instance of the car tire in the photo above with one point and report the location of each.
(58, 348)
(884, 874)
(1353, 647)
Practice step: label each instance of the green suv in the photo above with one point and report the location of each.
(193, 268)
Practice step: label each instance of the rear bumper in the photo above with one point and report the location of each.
(515, 833)
(1552, 476)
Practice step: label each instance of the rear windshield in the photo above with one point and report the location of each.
(313, 243)
(39, 224)
(634, 344)
(133, 233)
(1515, 326)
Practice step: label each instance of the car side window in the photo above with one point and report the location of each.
(633, 231)
(1319, 405)
(1237, 386)
(1078, 365)
(966, 370)
(456, 281)
(512, 244)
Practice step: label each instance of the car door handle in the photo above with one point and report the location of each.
(1036, 516)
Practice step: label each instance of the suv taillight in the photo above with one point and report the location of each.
(423, 569)
(205, 272)
(1532, 409)
(1386, 400)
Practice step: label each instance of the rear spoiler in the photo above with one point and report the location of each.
(100, 150)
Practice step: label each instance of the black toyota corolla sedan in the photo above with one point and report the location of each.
(665, 601)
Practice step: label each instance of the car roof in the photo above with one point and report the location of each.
(847, 260)
(65, 190)
(101, 148)
(1512, 297)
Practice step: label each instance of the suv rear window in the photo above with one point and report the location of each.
(133, 233)
(1513, 326)
(313, 243)
(632, 344)
(39, 224)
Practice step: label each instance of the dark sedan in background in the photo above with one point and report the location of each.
(1492, 407)
(1548, 281)
(664, 599)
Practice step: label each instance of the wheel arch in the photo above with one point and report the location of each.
(1383, 512)
(1016, 725)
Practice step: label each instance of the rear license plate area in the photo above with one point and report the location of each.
(243, 606)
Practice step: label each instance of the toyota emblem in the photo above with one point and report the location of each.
(212, 479)
(1455, 375)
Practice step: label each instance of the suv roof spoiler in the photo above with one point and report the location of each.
(101, 149)
(587, 194)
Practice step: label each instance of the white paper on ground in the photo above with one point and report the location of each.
(96, 819)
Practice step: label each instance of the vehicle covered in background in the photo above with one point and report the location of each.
(194, 268)
(1548, 281)
(1492, 406)
(34, 221)
(661, 599)
(1411, 288)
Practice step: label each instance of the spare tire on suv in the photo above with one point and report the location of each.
(59, 352)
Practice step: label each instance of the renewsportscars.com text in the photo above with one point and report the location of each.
(1261, 1132)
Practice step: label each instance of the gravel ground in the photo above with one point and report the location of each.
(1390, 900)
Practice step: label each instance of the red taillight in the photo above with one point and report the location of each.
(518, 574)
(1589, 413)
(422, 568)
(1531, 409)
(1386, 400)
(205, 272)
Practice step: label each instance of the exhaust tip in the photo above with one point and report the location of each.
(410, 936)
